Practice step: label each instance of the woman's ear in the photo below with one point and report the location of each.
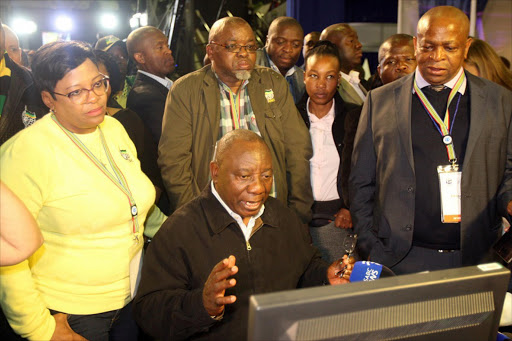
(48, 100)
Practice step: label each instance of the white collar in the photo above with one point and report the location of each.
(423, 83)
(290, 71)
(352, 77)
(231, 213)
(164, 81)
(328, 119)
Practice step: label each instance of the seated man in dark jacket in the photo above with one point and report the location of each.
(228, 243)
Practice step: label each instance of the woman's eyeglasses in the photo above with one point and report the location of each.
(80, 96)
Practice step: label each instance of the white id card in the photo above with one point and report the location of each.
(449, 186)
(136, 255)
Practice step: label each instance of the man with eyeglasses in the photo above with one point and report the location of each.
(20, 102)
(281, 52)
(230, 94)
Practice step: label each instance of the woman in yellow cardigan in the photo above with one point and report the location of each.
(77, 172)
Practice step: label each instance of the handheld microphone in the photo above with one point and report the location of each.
(369, 271)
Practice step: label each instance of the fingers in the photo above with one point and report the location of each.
(223, 300)
(343, 219)
(217, 283)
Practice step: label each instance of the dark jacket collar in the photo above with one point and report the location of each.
(218, 218)
(339, 107)
(141, 78)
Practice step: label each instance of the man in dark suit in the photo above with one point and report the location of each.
(20, 102)
(351, 89)
(395, 184)
(147, 46)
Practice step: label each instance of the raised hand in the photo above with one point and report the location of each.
(217, 283)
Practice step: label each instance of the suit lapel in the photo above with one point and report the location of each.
(348, 93)
(148, 80)
(402, 104)
(477, 114)
(259, 108)
(212, 97)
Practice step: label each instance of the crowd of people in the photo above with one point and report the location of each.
(135, 207)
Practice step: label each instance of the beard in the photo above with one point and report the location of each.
(243, 75)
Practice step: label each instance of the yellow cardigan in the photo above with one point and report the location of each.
(83, 265)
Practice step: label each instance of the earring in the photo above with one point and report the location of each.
(52, 111)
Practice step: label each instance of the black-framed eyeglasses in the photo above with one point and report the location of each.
(236, 48)
(80, 96)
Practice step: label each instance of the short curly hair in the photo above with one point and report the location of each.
(52, 61)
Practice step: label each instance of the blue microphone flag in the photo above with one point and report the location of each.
(365, 271)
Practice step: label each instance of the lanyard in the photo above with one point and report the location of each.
(444, 127)
(117, 178)
(235, 109)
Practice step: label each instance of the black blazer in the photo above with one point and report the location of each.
(383, 182)
(346, 117)
(147, 98)
(22, 98)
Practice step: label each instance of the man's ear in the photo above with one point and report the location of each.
(209, 51)
(378, 69)
(48, 99)
(466, 48)
(214, 171)
(139, 58)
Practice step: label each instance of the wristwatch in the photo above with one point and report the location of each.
(218, 317)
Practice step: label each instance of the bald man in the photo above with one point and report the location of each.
(20, 102)
(230, 242)
(425, 196)
(232, 93)
(396, 58)
(148, 48)
(309, 42)
(12, 45)
(351, 52)
(282, 51)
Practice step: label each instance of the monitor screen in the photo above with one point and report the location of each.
(455, 304)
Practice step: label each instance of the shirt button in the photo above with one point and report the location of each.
(407, 227)
(410, 189)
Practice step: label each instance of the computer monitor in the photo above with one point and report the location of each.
(456, 304)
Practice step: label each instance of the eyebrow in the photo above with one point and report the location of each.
(74, 85)
(234, 40)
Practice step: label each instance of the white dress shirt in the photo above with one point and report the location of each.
(353, 79)
(164, 81)
(246, 229)
(423, 83)
(326, 160)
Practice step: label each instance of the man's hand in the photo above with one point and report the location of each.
(63, 331)
(342, 266)
(343, 219)
(216, 285)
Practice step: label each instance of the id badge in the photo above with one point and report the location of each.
(449, 186)
(136, 255)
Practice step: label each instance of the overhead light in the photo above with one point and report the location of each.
(138, 20)
(23, 26)
(135, 21)
(63, 23)
(144, 19)
(109, 21)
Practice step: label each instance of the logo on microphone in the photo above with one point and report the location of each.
(371, 275)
